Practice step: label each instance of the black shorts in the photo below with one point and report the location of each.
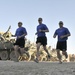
(62, 45)
(42, 40)
(20, 42)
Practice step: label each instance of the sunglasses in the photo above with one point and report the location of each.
(39, 20)
(60, 23)
(19, 23)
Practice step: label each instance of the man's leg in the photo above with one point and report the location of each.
(16, 47)
(22, 51)
(38, 47)
(65, 53)
(46, 51)
(59, 56)
(37, 54)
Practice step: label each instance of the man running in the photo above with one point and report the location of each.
(41, 38)
(20, 41)
(63, 34)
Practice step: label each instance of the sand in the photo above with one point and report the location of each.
(32, 68)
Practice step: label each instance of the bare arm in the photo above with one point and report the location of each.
(22, 36)
(43, 30)
(67, 35)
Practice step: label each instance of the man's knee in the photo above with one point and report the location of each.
(44, 47)
(16, 47)
(63, 52)
(38, 45)
(58, 51)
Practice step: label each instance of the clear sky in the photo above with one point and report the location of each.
(28, 11)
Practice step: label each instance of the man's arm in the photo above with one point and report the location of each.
(22, 35)
(54, 36)
(36, 33)
(67, 35)
(44, 30)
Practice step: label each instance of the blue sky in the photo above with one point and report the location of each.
(28, 11)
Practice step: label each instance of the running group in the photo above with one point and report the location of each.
(62, 33)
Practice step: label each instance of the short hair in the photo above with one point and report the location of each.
(40, 18)
(60, 22)
(20, 23)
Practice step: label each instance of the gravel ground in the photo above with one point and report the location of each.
(32, 68)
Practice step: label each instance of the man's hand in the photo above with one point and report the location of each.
(65, 36)
(40, 30)
(36, 33)
(22, 36)
(62, 37)
(54, 36)
(19, 37)
(43, 30)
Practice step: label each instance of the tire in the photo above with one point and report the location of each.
(4, 55)
(12, 55)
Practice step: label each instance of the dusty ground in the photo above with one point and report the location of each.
(32, 68)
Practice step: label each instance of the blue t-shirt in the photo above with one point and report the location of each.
(60, 32)
(41, 27)
(20, 31)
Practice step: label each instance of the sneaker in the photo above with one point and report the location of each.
(36, 60)
(60, 62)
